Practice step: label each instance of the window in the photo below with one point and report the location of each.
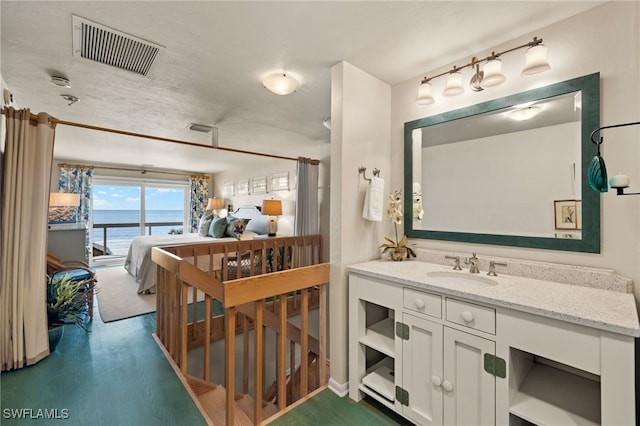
(126, 208)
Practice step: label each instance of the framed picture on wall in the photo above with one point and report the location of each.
(259, 185)
(279, 181)
(242, 187)
(228, 189)
(565, 214)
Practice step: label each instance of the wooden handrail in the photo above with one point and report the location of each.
(245, 290)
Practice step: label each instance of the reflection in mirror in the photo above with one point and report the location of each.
(509, 171)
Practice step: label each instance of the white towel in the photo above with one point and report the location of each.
(374, 200)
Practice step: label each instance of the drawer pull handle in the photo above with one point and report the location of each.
(419, 303)
(437, 381)
(467, 316)
(447, 385)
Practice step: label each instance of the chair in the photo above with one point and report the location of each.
(78, 269)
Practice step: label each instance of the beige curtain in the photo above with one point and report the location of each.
(306, 221)
(26, 180)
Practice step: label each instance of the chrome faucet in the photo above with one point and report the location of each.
(456, 266)
(473, 264)
(492, 267)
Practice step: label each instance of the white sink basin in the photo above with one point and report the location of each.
(465, 279)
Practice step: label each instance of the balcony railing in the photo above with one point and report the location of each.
(121, 245)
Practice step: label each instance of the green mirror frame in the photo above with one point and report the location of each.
(589, 85)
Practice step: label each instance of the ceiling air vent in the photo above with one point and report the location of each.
(108, 46)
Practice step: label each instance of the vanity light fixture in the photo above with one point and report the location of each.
(491, 74)
(281, 83)
(454, 83)
(597, 171)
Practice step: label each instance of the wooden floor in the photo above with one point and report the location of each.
(327, 408)
(117, 375)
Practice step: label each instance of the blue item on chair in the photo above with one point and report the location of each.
(78, 270)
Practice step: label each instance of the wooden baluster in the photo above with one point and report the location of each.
(207, 339)
(292, 370)
(304, 345)
(281, 373)
(258, 362)
(194, 312)
(245, 354)
(229, 362)
(183, 328)
(322, 336)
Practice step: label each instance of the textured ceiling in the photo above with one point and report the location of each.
(215, 55)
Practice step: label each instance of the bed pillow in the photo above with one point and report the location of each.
(235, 227)
(218, 227)
(248, 235)
(203, 224)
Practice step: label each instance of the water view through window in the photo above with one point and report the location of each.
(118, 218)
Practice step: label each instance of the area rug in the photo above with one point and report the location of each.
(118, 296)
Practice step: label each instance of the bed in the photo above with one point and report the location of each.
(138, 261)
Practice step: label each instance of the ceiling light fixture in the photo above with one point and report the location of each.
(281, 83)
(60, 81)
(491, 74)
(526, 113)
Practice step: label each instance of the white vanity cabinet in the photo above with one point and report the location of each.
(519, 353)
(443, 377)
(409, 355)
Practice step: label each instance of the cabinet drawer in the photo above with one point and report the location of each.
(425, 303)
(470, 315)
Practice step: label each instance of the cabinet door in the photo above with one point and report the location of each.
(422, 371)
(469, 391)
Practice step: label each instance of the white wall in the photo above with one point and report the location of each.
(605, 39)
(360, 117)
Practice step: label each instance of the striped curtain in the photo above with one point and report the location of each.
(198, 197)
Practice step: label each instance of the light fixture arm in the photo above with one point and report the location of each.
(635, 123)
(536, 41)
(619, 189)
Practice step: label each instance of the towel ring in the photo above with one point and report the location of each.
(363, 171)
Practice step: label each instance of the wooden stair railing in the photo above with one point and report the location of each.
(284, 274)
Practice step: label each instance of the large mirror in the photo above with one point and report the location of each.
(511, 171)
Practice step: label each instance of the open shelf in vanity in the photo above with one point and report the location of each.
(378, 345)
(551, 393)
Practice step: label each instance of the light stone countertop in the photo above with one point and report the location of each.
(592, 307)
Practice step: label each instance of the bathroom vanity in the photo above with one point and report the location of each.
(440, 346)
